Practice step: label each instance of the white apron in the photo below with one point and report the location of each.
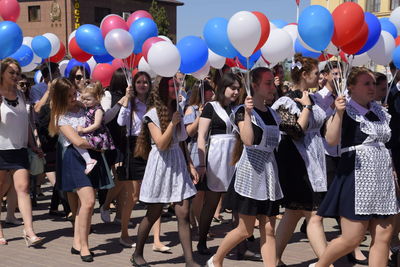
(219, 157)
(257, 170)
(374, 184)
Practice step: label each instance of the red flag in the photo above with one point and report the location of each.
(298, 2)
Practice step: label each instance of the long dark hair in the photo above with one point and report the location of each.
(227, 79)
(135, 78)
(195, 97)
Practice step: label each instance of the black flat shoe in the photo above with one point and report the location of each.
(203, 250)
(352, 259)
(138, 265)
(87, 258)
(74, 251)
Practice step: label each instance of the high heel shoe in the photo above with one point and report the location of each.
(31, 241)
(353, 259)
(138, 265)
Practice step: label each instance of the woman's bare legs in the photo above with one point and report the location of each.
(267, 240)
(12, 201)
(315, 232)
(130, 191)
(4, 186)
(84, 216)
(381, 233)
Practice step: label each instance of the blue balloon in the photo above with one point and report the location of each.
(396, 57)
(388, 26)
(72, 63)
(298, 48)
(252, 59)
(24, 55)
(41, 46)
(374, 32)
(216, 36)
(10, 38)
(90, 39)
(194, 53)
(38, 77)
(316, 27)
(279, 23)
(141, 30)
(103, 58)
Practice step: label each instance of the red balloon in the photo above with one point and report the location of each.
(103, 73)
(137, 15)
(133, 60)
(265, 29)
(343, 56)
(77, 53)
(397, 41)
(358, 42)
(348, 19)
(60, 54)
(230, 62)
(148, 43)
(112, 22)
(118, 63)
(9, 10)
(323, 57)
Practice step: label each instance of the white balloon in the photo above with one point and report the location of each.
(62, 66)
(395, 18)
(381, 53)
(30, 67)
(321, 65)
(216, 61)
(165, 38)
(278, 47)
(359, 60)
(119, 43)
(203, 72)
(261, 63)
(109, 15)
(71, 35)
(164, 59)
(272, 26)
(54, 41)
(291, 29)
(144, 66)
(27, 41)
(92, 64)
(332, 49)
(244, 32)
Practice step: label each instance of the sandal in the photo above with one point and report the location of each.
(3, 241)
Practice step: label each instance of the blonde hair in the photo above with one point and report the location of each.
(95, 89)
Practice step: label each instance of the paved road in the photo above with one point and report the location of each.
(104, 241)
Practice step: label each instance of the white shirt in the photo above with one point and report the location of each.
(72, 119)
(137, 118)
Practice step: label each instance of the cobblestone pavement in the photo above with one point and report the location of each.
(104, 243)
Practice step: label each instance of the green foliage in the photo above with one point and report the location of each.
(160, 17)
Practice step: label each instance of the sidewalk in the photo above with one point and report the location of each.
(108, 253)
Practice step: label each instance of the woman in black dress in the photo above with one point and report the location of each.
(363, 191)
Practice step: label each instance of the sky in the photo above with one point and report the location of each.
(194, 14)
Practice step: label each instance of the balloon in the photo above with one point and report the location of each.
(141, 30)
(27, 40)
(112, 22)
(316, 27)
(144, 66)
(265, 29)
(396, 57)
(244, 32)
(359, 60)
(41, 46)
(298, 48)
(103, 73)
(137, 15)
(72, 63)
(38, 77)
(24, 55)
(374, 31)
(332, 49)
(77, 53)
(381, 53)
(9, 10)
(36, 59)
(358, 42)
(119, 43)
(103, 58)
(194, 53)
(395, 18)
(165, 38)
(279, 23)
(92, 64)
(348, 18)
(117, 64)
(388, 26)
(62, 66)
(10, 38)
(164, 59)
(148, 43)
(54, 41)
(60, 54)
(216, 61)
(133, 60)
(90, 39)
(203, 72)
(278, 47)
(292, 30)
(397, 40)
(252, 59)
(72, 35)
(216, 36)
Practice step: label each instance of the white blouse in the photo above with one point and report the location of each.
(72, 119)
(137, 118)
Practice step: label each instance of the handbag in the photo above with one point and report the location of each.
(36, 163)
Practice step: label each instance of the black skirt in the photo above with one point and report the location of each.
(14, 159)
(249, 206)
(137, 166)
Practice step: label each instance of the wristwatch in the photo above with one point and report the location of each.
(307, 106)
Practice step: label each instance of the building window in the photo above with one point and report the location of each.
(373, 5)
(100, 13)
(34, 13)
(394, 4)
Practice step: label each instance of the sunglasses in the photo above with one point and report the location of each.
(78, 77)
(23, 84)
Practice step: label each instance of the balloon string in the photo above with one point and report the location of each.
(390, 87)
(248, 78)
(202, 91)
(330, 67)
(49, 67)
(176, 95)
(125, 71)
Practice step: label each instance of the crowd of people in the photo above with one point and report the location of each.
(308, 148)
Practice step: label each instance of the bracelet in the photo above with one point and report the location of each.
(201, 166)
(308, 106)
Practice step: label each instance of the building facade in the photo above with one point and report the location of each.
(61, 17)
(381, 8)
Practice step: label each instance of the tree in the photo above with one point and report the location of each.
(161, 19)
